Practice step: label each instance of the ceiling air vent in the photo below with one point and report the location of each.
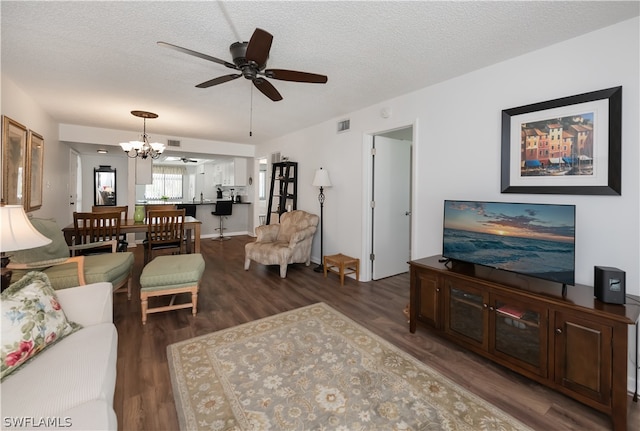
(344, 125)
(173, 143)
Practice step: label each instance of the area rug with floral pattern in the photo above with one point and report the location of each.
(315, 369)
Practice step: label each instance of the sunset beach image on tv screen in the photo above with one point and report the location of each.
(532, 239)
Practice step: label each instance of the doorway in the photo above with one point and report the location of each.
(75, 186)
(391, 175)
(260, 193)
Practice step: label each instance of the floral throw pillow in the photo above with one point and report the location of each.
(32, 320)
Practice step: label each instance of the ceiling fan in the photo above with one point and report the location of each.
(250, 58)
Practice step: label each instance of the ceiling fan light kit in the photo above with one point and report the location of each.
(144, 148)
(250, 59)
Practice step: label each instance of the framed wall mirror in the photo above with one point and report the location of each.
(104, 186)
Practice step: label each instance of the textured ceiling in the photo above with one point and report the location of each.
(91, 63)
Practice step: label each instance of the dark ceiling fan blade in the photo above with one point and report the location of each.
(198, 54)
(267, 89)
(259, 47)
(292, 75)
(219, 80)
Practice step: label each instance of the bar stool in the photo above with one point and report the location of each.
(223, 208)
(189, 209)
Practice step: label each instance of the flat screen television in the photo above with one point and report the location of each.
(537, 240)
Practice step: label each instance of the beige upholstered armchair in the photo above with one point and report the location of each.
(284, 243)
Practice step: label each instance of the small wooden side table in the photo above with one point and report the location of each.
(337, 263)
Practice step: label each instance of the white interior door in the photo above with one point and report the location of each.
(75, 186)
(392, 207)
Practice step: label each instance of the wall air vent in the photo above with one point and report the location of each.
(344, 125)
(275, 157)
(173, 143)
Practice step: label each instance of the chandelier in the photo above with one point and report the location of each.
(143, 149)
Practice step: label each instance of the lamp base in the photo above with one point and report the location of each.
(6, 279)
(319, 268)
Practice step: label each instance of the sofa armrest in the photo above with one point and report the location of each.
(98, 244)
(88, 305)
(40, 266)
(267, 232)
(301, 235)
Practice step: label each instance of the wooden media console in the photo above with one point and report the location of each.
(572, 343)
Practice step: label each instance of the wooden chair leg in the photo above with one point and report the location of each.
(145, 304)
(194, 300)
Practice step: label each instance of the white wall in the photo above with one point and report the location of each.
(19, 106)
(111, 138)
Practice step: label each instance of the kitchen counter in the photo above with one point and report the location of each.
(236, 224)
(206, 202)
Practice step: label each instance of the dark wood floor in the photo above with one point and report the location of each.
(230, 296)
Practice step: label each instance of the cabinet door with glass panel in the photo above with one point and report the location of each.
(465, 313)
(519, 332)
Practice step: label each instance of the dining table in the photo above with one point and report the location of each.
(191, 227)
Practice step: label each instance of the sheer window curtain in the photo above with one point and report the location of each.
(167, 182)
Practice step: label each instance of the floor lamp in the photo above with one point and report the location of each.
(321, 180)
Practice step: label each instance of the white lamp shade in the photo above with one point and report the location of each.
(321, 178)
(17, 232)
(159, 147)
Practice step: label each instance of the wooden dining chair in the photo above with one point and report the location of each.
(94, 229)
(165, 231)
(123, 209)
(124, 212)
(159, 207)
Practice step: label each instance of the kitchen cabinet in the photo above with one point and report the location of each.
(221, 174)
(230, 173)
(240, 171)
(568, 340)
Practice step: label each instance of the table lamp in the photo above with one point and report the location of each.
(16, 233)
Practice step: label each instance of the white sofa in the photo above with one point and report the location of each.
(70, 384)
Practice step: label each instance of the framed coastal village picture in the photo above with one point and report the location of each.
(570, 145)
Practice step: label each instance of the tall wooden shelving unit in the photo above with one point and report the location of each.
(284, 188)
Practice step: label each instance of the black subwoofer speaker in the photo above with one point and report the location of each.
(609, 284)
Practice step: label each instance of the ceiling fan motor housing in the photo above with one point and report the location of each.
(248, 68)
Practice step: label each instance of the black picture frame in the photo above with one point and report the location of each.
(608, 103)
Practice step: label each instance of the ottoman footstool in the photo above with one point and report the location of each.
(337, 263)
(171, 275)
